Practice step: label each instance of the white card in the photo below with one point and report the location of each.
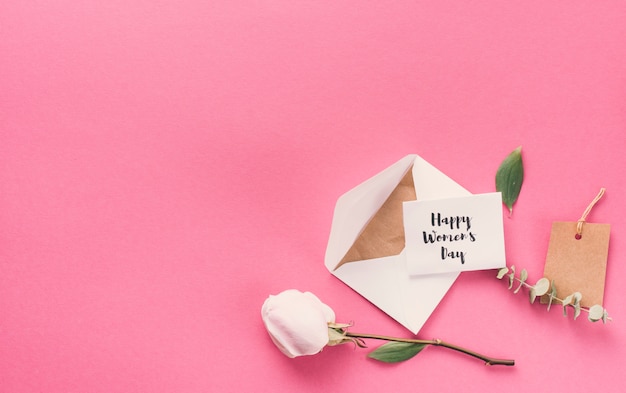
(454, 234)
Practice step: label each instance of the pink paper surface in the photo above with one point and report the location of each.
(165, 166)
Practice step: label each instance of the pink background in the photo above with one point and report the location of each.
(165, 166)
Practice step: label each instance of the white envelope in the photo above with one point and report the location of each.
(365, 249)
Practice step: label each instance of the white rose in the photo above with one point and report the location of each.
(297, 322)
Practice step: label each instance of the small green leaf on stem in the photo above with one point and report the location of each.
(502, 272)
(532, 295)
(577, 298)
(509, 178)
(565, 302)
(394, 352)
(552, 295)
(523, 276)
(595, 313)
(576, 310)
(542, 286)
(511, 276)
(605, 317)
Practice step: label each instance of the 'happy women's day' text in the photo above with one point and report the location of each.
(463, 223)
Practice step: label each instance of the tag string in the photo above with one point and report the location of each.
(581, 220)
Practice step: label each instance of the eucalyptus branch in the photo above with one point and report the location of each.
(547, 288)
(399, 349)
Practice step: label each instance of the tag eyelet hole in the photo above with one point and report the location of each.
(578, 236)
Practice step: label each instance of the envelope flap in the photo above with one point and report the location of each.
(356, 209)
(370, 278)
(409, 300)
(384, 233)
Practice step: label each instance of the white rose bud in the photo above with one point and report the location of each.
(297, 322)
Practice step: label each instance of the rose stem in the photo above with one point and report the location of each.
(489, 361)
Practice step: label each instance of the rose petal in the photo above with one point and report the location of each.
(297, 322)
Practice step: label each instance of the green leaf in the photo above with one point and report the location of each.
(605, 317)
(567, 300)
(577, 298)
(576, 310)
(511, 280)
(502, 272)
(394, 352)
(511, 276)
(509, 178)
(595, 313)
(542, 286)
(522, 279)
(552, 296)
(532, 294)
